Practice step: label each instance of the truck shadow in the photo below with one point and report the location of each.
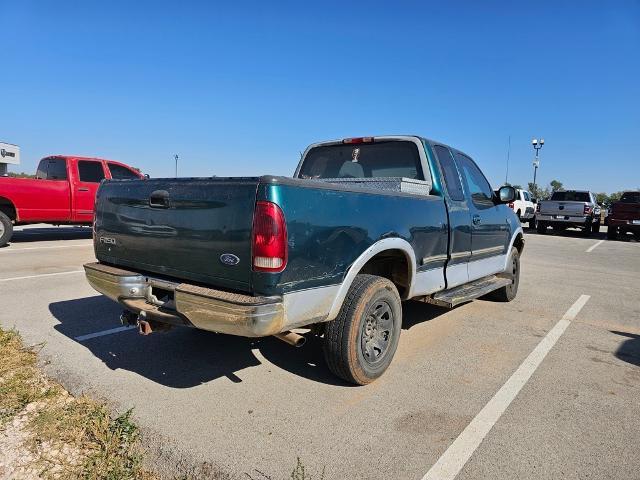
(629, 351)
(186, 357)
(50, 233)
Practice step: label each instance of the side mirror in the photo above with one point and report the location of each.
(506, 194)
(146, 175)
(534, 200)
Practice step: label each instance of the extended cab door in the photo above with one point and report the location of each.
(459, 220)
(48, 198)
(87, 178)
(489, 227)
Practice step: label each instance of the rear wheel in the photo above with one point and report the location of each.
(541, 228)
(587, 229)
(612, 232)
(508, 293)
(6, 229)
(360, 343)
(596, 227)
(533, 223)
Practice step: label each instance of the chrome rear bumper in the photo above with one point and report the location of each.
(201, 307)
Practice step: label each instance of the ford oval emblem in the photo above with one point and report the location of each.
(229, 259)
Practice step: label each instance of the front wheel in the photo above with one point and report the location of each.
(360, 343)
(6, 229)
(533, 223)
(509, 292)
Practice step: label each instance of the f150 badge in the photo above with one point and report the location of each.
(229, 259)
(108, 240)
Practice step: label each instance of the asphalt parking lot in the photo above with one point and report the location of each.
(546, 386)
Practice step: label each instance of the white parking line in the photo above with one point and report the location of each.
(41, 275)
(11, 250)
(460, 451)
(88, 336)
(590, 249)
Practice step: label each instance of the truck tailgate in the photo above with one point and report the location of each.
(179, 227)
(574, 209)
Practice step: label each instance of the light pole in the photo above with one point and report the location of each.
(176, 158)
(537, 145)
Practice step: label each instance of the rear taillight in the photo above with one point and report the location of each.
(538, 207)
(510, 204)
(587, 210)
(269, 238)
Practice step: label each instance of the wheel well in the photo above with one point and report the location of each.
(7, 208)
(519, 243)
(392, 265)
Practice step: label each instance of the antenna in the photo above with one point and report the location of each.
(506, 177)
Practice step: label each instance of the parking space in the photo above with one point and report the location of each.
(255, 405)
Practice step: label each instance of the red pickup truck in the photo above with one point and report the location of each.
(624, 216)
(63, 192)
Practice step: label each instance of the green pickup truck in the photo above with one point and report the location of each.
(364, 224)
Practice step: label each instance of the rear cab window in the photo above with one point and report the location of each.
(450, 173)
(630, 197)
(52, 168)
(571, 196)
(120, 172)
(363, 160)
(90, 171)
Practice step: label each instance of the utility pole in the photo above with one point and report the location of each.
(176, 158)
(537, 145)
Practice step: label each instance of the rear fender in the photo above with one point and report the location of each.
(354, 269)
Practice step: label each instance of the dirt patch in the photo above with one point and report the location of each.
(47, 433)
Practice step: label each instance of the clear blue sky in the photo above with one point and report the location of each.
(239, 88)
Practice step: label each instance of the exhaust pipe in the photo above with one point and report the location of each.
(291, 338)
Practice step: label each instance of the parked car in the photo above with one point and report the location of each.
(63, 192)
(569, 209)
(364, 224)
(525, 207)
(624, 215)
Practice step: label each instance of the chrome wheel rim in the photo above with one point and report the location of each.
(377, 332)
(1, 229)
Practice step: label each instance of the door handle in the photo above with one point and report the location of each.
(83, 189)
(476, 220)
(159, 199)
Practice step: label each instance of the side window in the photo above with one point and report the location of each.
(52, 169)
(450, 172)
(90, 171)
(526, 196)
(479, 189)
(118, 172)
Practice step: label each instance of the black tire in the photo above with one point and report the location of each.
(360, 343)
(533, 223)
(596, 227)
(6, 229)
(612, 232)
(587, 229)
(541, 228)
(508, 293)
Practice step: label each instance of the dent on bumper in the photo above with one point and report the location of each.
(204, 308)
